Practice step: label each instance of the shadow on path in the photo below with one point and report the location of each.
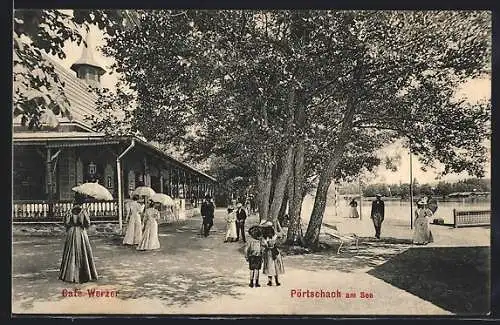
(186, 269)
(454, 278)
(370, 253)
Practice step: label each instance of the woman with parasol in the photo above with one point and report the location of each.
(353, 211)
(422, 235)
(77, 265)
(144, 192)
(165, 201)
(150, 234)
(133, 235)
(253, 255)
(271, 256)
(231, 233)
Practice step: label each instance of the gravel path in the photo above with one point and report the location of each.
(195, 275)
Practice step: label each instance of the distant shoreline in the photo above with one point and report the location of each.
(438, 198)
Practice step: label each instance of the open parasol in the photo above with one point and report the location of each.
(144, 191)
(164, 199)
(94, 190)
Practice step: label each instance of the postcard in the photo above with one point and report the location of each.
(251, 162)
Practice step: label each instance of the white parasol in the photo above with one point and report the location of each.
(94, 190)
(163, 199)
(144, 191)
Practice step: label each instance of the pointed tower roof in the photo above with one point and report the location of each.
(87, 58)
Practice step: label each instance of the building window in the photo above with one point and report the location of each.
(79, 172)
(109, 181)
(92, 168)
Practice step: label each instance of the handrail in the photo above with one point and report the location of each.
(45, 210)
(471, 218)
(466, 212)
(59, 201)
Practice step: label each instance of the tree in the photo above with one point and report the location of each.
(241, 107)
(234, 179)
(307, 95)
(36, 85)
(406, 69)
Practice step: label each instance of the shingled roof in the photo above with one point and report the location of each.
(81, 99)
(82, 103)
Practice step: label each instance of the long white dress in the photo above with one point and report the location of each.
(422, 234)
(271, 266)
(353, 210)
(133, 234)
(231, 233)
(150, 235)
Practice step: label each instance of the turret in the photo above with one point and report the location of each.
(87, 68)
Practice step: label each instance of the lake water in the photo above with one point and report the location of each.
(393, 209)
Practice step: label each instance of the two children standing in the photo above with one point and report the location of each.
(261, 252)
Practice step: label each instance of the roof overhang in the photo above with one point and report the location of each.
(76, 139)
(171, 159)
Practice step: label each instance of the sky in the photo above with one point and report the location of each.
(474, 90)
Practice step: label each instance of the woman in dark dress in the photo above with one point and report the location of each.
(77, 264)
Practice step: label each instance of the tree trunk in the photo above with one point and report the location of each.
(279, 191)
(264, 174)
(264, 178)
(291, 203)
(284, 166)
(294, 236)
(284, 204)
(312, 235)
(275, 171)
(326, 176)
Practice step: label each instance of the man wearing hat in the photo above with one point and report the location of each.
(241, 216)
(207, 213)
(377, 214)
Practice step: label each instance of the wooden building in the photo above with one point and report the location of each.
(47, 163)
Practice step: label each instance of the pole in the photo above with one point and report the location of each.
(49, 182)
(119, 176)
(360, 199)
(411, 189)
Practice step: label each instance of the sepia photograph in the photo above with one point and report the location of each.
(251, 162)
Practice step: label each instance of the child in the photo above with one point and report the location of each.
(271, 256)
(253, 255)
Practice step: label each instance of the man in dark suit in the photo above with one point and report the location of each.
(241, 216)
(377, 214)
(207, 213)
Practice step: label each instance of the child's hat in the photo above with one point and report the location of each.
(255, 232)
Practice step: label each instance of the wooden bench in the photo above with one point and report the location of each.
(471, 218)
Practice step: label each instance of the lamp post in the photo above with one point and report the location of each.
(360, 199)
(411, 189)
